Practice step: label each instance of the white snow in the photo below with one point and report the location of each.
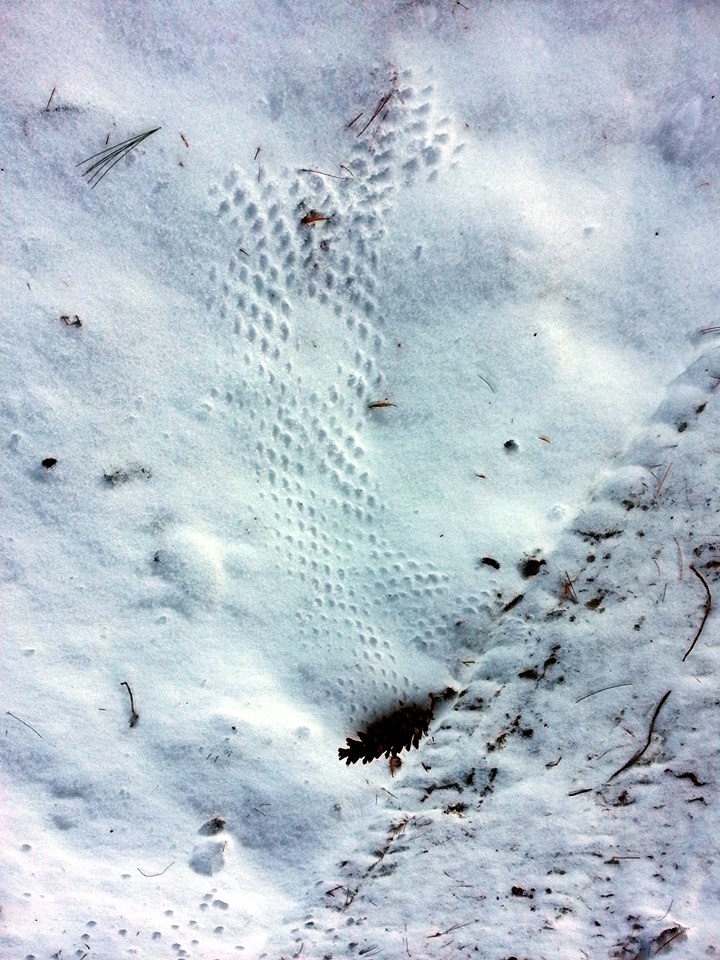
(284, 451)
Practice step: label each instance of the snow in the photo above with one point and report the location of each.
(284, 451)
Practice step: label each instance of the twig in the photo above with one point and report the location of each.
(47, 108)
(257, 154)
(23, 723)
(708, 608)
(354, 121)
(155, 874)
(614, 686)
(569, 589)
(383, 102)
(106, 159)
(666, 912)
(682, 559)
(636, 756)
(457, 926)
(664, 478)
(710, 330)
(487, 382)
(321, 173)
(134, 716)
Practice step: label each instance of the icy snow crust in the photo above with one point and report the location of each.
(298, 416)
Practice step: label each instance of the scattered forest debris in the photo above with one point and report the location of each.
(116, 477)
(312, 217)
(490, 562)
(513, 603)
(378, 109)
(71, 321)
(636, 756)
(380, 404)
(708, 608)
(531, 567)
(213, 826)
(134, 715)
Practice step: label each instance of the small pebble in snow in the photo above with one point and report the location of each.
(511, 446)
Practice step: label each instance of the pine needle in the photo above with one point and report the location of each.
(106, 159)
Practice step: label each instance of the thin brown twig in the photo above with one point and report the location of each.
(636, 756)
(682, 559)
(457, 926)
(321, 173)
(134, 715)
(708, 608)
(383, 103)
(155, 874)
(355, 120)
(47, 107)
(664, 478)
(23, 723)
(602, 690)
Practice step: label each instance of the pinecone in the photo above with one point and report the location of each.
(399, 730)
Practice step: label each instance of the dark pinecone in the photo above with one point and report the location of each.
(399, 730)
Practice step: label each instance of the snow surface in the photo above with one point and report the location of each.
(520, 246)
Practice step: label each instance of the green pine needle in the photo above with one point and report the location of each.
(106, 159)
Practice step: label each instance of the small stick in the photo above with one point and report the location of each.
(134, 716)
(257, 154)
(354, 121)
(682, 559)
(710, 330)
(343, 167)
(184, 140)
(457, 926)
(602, 690)
(155, 874)
(378, 404)
(380, 106)
(23, 723)
(321, 173)
(47, 108)
(664, 478)
(636, 756)
(708, 608)
(487, 382)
